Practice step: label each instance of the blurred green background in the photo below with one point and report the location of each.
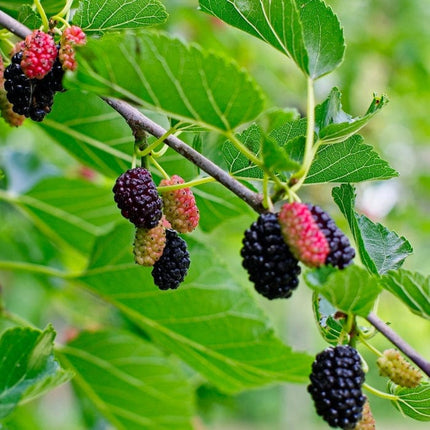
(387, 52)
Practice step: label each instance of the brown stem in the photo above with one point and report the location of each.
(396, 340)
(136, 118)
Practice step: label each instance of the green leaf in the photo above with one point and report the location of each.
(238, 164)
(102, 15)
(28, 17)
(276, 158)
(50, 6)
(211, 322)
(413, 289)
(92, 132)
(334, 125)
(132, 383)
(162, 73)
(348, 161)
(380, 249)
(28, 367)
(329, 319)
(308, 32)
(71, 212)
(352, 290)
(413, 402)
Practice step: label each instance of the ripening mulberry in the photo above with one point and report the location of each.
(314, 237)
(136, 195)
(179, 206)
(149, 244)
(170, 270)
(301, 233)
(394, 366)
(38, 55)
(336, 382)
(367, 421)
(71, 37)
(270, 265)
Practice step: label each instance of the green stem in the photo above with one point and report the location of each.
(310, 147)
(34, 268)
(363, 340)
(42, 14)
(380, 394)
(159, 168)
(60, 19)
(267, 201)
(243, 149)
(161, 139)
(15, 319)
(66, 9)
(161, 152)
(193, 183)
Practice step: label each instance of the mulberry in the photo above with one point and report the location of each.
(136, 195)
(270, 265)
(336, 381)
(170, 270)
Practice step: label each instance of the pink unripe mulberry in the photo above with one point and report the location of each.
(306, 241)
(39, 54)
(179, 206)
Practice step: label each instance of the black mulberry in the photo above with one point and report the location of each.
(136, 195)
(336, 381)
(341, 252)
(170, 270)
(270, 264)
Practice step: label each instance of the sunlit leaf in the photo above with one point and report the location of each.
(210, 321)
(380, 249)
(413, 402)
(133, 384)
(102, 15)
(413, 289)
(162, 73)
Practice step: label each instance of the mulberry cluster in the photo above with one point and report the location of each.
(336, 381)
(314, 237)
(36, 71)
(269, 262)
(156, 241)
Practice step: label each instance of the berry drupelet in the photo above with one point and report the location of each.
(336, 381)
(136, 195)
(170, 270)
(270, 265)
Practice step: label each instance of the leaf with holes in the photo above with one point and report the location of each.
(307, 31)
(132, 383)
(162, 73)
(210, 321)
(102, 15)
(413, 289)
(380, 249)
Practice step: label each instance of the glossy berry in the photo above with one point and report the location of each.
(170, 270)
(270, 265)
(336, 381)
(38, 55)
(136, 195)
(394, 366)
(179, 206)
(301, 233)
(341, 253)
(149, 244)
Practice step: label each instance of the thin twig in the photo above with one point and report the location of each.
(135, 117)
(13, 25)
(403, 346)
